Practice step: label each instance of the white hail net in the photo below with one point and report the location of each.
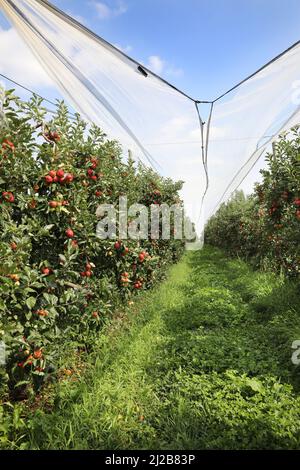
(158, 123)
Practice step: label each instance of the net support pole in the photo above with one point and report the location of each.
(204, 146)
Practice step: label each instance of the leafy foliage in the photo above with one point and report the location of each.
(265, 226)
(59, 283)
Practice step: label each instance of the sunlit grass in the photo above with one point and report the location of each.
(202, 361)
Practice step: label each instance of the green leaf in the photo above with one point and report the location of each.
(30, 302)
(255, 385)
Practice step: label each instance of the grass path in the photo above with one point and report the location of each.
(203, 362)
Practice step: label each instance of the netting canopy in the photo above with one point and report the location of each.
(160, 124)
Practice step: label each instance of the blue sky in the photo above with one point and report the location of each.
(202, 46)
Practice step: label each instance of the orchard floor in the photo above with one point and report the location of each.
(202, 362)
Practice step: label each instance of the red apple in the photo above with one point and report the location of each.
(46, 271)
(69, 232)
(48, 179)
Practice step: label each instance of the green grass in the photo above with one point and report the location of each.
(204, 361)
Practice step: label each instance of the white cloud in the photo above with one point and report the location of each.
(103, 10)
(120, 9)
(158, 65)
(18, 62)
(106, 12)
